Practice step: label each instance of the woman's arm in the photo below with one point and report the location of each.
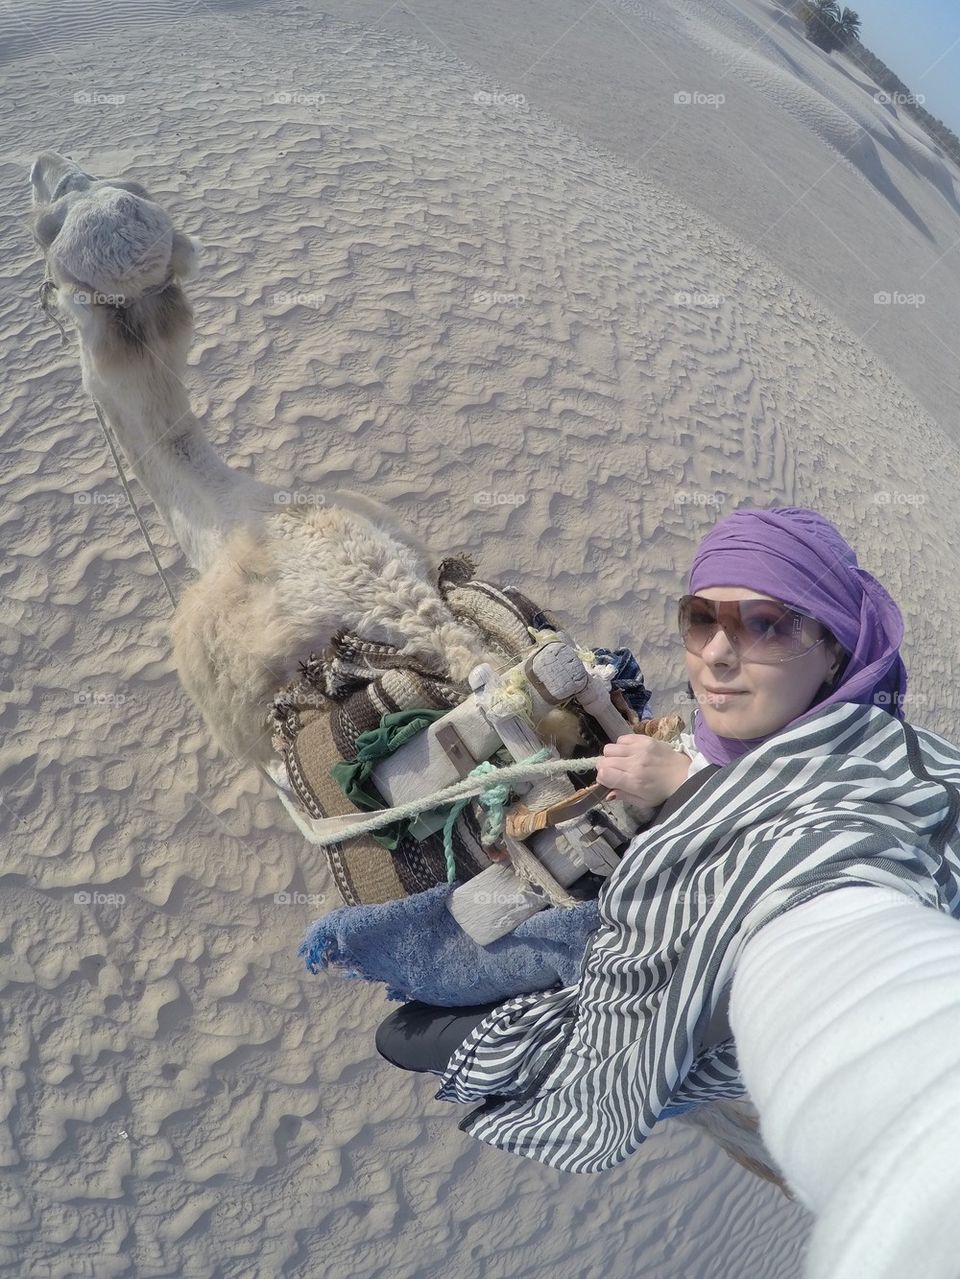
(845, 1012)
(681, 773)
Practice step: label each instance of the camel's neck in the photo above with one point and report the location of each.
(198, 496)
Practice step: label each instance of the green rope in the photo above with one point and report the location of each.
(494, 799)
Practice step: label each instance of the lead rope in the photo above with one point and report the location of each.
(45, 288)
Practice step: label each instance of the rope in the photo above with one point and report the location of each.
(334, 830)
(493, 799)
(45, 288)
(136, 511)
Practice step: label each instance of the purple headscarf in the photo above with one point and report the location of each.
(799, 557)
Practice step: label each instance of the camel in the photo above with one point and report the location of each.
(280, 572)
(277, 578)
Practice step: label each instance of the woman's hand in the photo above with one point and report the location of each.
(641, 770)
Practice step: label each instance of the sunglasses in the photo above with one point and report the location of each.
(759, 630)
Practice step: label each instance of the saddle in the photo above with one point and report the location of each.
(364, 727)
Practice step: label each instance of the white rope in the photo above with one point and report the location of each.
(332, 830)
(45, 288)
(136, 511)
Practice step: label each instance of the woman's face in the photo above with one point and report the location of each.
(767, 696)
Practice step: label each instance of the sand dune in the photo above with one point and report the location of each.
(431, 296)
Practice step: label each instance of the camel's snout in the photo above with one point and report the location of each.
(105, 232)
(53, 175)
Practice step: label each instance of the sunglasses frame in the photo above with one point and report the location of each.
(716, 605)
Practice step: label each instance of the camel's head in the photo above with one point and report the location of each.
(114, 262)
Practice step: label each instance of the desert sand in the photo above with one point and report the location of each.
(448, 250)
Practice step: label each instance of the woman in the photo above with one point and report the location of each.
(795, 881)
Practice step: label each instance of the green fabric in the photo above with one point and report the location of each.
(354, 776)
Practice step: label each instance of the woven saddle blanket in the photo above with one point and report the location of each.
(349, 689)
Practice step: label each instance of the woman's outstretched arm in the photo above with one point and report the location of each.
(845, 1011)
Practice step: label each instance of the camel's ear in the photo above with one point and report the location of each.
(48, 223)
(133, 187)
(183, 260)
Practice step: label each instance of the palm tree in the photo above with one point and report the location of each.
(827, 27)
(819, 17)
(849, 28)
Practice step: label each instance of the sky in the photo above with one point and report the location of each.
(920, 43)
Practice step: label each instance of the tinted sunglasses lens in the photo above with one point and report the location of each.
(762, 630)
(698, 623)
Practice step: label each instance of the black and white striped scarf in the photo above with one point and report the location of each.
(577, 1077)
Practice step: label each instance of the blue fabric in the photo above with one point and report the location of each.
(628, 678)
(419, 951)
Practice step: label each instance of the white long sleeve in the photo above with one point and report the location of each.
(687, 745)
(846, 1015)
